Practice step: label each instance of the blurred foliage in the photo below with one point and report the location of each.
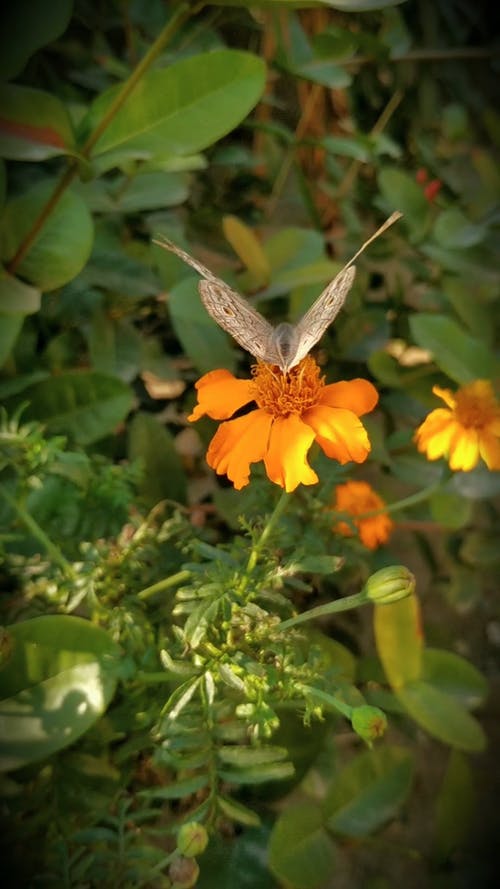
(145, 680)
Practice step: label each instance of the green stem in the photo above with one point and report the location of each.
(179, 16)
(267, 531)
(326, 698)
(165, 584)
(345, 604)
(39, 534)
(411, 500)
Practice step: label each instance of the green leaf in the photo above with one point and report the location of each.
(34, 125)
(442, 716)
(251, 756)
(369, 791)
(452, 229)
(450, 509)
(455, 809)
(462, 357)
(480, 549)
(201, 338)
(26, 26)
(454, 676)
(322, 71)
(237, 861)
(58, 679)
(181, 109)
(63, 244)
(237, 812)
(401, 192)
(478, 484)
(145, 191)
(398, 636)
(85, 406)
(16, 297)
(176, 789)
(301, 853)
(114, 346)
(163, 476)
(10, 326)
(257, 774)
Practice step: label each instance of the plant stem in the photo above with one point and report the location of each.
(165, 584)
(267, 530)
(39, 534)
(179, 16)
(354, 167)
(345, 604)
(326, 698)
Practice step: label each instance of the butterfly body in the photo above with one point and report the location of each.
(287, 344)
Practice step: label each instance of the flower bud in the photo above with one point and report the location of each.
(184, 872)
(390, 584)
(368, 722)
(192, 839)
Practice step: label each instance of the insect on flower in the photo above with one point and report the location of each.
(287, 344)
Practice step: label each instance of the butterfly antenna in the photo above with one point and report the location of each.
(388, 222)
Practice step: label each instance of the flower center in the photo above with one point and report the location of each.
(291, 393)
(476, 406)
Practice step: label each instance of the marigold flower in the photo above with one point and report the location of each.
(466, 431)
(293, 410)
(357, 498)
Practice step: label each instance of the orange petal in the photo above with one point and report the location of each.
(489, 446)
(339, 432)
(464, 449)
(358, 396)
(447, 396)
(286, 458)
(220, 394)
(375, 531)
(237, 443)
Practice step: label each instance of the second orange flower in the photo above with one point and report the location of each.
(292, 411)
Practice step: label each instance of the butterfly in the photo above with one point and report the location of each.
(287, 344)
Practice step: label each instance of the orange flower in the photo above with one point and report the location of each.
(358, 498)
(292, 411)
(467, 430)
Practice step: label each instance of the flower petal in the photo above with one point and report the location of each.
(447, 396)
(435, 434)
(237, 443)
(286, 458)
(464, 449)
(220, 394)
(489, 446)
(375, 531)
(339, 433)
(358, 396)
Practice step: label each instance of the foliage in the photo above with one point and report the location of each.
(160, 674)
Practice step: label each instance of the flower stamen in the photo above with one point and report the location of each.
(285, 394)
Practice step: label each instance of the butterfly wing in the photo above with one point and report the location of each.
(247, 326)
(313, 324)
(164, 242)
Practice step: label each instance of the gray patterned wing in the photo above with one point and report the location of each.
(247, 326)
(313, 324)
(233, 313)
(164, 242)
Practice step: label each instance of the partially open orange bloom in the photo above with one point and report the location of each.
(466, 431)
(292, 411)
(358, 498)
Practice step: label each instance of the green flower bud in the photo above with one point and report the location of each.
(390, 584)
(183, 872)
(368, 722)
(192, 839)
